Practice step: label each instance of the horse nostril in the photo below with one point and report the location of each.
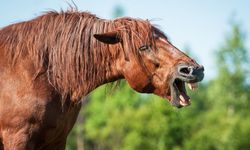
(191, 69)
(185, 70)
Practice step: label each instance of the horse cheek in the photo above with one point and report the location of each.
(137, 80)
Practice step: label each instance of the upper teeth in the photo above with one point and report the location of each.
(192, 86)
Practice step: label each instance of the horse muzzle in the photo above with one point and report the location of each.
(190, 73)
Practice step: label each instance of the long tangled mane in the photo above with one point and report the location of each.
(63, 43)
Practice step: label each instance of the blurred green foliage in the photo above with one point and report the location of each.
(218, 119)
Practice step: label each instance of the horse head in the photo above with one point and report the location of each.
(156, 66)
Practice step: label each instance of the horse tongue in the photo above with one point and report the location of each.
(184, 99)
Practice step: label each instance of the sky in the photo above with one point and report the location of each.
(200, 25)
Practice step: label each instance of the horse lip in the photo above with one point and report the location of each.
(174, 94)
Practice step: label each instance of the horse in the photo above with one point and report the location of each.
(48, 64)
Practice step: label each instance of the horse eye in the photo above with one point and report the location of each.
(157, 65)
(144, 47)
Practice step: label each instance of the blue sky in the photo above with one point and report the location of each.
(200, 25)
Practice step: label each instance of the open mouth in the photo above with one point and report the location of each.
(179, 97)
(185, 76)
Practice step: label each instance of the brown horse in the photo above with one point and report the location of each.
(48, 64)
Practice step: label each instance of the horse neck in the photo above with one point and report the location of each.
(104, 73)
(76, 63)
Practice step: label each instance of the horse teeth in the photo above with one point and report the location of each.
(189, 86)
(195, 85)
(192, 86)
(182, 103)
(182, 98)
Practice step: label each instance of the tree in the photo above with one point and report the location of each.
(223, 125)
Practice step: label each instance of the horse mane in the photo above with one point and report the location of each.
(63, 43)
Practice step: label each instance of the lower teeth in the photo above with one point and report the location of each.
(182, 98)
(183, 102)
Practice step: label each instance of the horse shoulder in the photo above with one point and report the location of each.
(29, 106)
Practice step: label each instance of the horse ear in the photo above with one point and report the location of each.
(109, 37)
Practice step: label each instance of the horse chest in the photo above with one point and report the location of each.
(59, 121)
